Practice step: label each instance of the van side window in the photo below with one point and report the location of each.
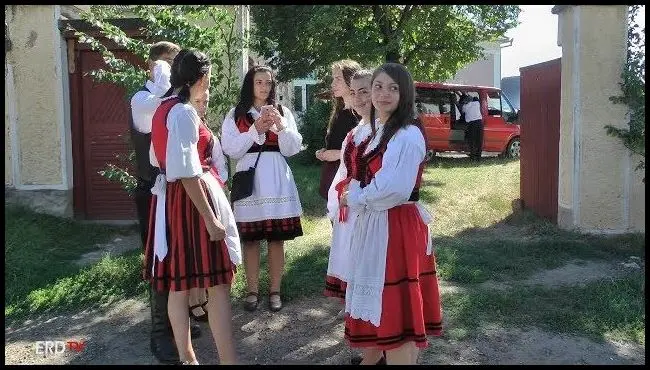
(431, 101)
(494, 103)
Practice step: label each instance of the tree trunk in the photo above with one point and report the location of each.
(393, 57)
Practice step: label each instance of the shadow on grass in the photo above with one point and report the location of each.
(40, 269)
(520, 246)
(110, 280)
(305, 275)
(465, 162)
(307, 179)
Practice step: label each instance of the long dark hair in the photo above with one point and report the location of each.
(404, 115)
(190, 65)
(246, 96)
(348, 67)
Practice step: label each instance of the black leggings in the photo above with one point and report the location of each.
(475, 138)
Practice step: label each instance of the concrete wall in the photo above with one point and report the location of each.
(598, 190)
(34, 88)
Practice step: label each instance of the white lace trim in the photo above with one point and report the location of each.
(260, 201)
(363, 300)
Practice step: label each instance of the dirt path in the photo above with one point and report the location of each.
(304, 332)
(307, 331)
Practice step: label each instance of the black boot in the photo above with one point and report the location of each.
(162, 342)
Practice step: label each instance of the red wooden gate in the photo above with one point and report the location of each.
(100, 118)
(540, 135)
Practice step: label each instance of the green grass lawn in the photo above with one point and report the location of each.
(40, 269)
(477, 239)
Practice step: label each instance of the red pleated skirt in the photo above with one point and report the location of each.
(192, 260)
(411, 307)
(334, 287)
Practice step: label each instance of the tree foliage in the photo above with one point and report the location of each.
(633, 91)
(434, 41)
(210, 29)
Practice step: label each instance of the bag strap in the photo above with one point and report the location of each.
(258, 155)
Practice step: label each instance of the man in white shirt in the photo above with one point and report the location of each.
(472, 111)
(143, 106)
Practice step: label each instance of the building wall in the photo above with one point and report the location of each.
(483, 72)
(477, 73)
(598, 188)
(34, 62)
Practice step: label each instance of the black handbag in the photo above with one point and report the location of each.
(242, 181)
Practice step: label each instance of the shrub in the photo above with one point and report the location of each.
(314, 128)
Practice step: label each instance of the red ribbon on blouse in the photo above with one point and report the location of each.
(343, 210)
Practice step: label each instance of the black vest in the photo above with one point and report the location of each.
(145, 172)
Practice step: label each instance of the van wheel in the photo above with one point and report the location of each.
(513, 150)
(431, 154)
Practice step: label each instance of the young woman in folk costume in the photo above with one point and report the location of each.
(342, 119)
(193, 241)
(258, 128)
(198, 297)
(392, 301)
(354, 141)
(343, 222)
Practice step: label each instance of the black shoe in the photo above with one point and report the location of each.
(195, 331)
(356, 359)
(202, 317)
(164, 349)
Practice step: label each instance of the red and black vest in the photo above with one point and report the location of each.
(159, 136)
(270, 144)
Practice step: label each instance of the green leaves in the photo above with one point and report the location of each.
(633, 92)
(114, 173)
(434, 41)
(210, 29)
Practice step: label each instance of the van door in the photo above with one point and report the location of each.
(433, 107)
(496, 130)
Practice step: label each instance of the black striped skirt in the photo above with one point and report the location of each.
(192, 260)
(270, 230)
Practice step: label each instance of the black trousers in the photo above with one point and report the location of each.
(475, 138)
(142, 195)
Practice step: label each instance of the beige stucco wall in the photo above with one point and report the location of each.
(38, 92)
(8, 171)
(598, 190)
(566, 147)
